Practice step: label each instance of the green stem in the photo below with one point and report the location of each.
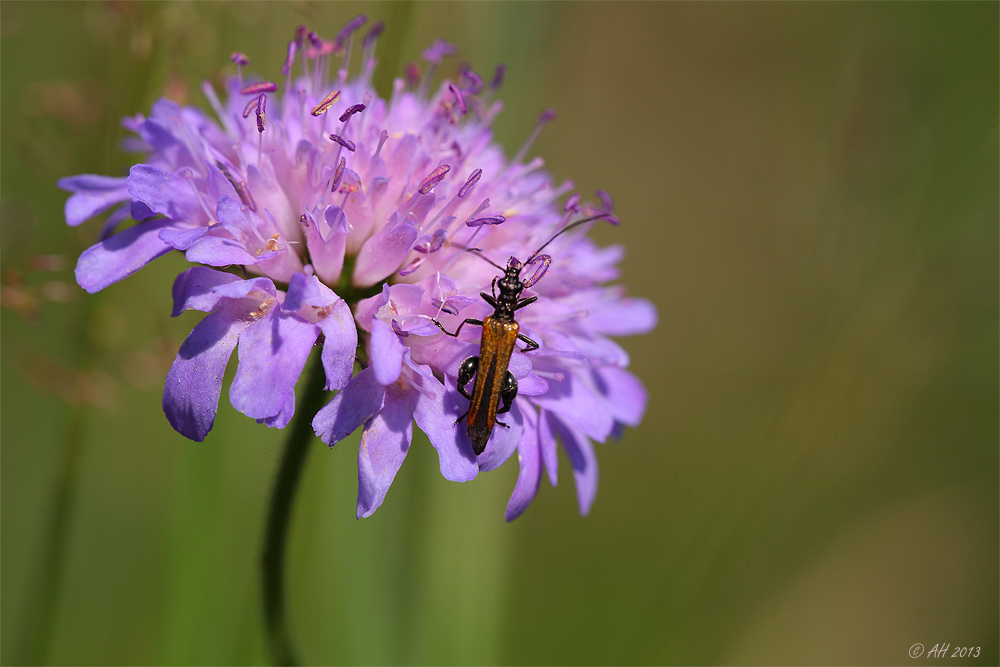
(279, 515)
(51, 562)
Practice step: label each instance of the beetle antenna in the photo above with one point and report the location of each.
(563, 231)
(478, 252)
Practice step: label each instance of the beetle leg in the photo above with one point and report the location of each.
(508, 392)
(465, 373)
(532, 345)
(521, 303)
(459, 329)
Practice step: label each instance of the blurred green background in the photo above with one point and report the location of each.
(809, 194)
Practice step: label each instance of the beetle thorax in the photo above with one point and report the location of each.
(510, 288)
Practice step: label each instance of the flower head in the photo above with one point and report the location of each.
(317, 212)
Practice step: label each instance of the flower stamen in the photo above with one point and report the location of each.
(464, 190)
(351, 110)
(432, 179)
(443, 306)
(338, 174)
(346, 34)
(475, 81)
(433, 55)
(412, 266)
(243, 190)
(544, 119)
(459, 98)
(241, 61)
(189, 177)
(381, 142)
(326, 103)
(346, 143)
(270, 246)
(259, 87)
(250, 106)
(252, 226)
(368, 50)
(264, 308)
(490, 220)
(261, 106)
(286, 67)
(470, 183)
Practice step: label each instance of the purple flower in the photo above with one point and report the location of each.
(329, 214)
(275, 332)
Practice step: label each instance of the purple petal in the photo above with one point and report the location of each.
(307, 293)
(194, 289)
(245, 245)
(423, 206)
(238, 289)
(217, 185)
(181, 239)
(503, 441)
(547, 447)
(384, 444)
(599, 350)
(327, 246)
(110, 226)
(383, 253)
(339, 346)
(406, 297)
(279, 264)
(579, 405)
(519, 366)
(531, 385)
(237, 219)
(529, 475)
(191, 395)
(270, 196)
(353, 405)
(312, 300)
(121, 255)
(163, 192)
(139, 211)
(584, 462)
(458, 463)
(273, 350)
(219, 251)
(625, 395)
(366, 309)
(624, 317)
(386, 351)
(92, 183)
(402, 155)
(156, 132)
(92, 194)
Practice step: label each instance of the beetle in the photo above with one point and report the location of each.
(496, 387)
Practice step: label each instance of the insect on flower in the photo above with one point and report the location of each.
(494, 383)
(296, 201)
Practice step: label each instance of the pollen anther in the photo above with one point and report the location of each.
(259, 87)
(351, 110)
(346, 143)
(326, 103)
(433, 179)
